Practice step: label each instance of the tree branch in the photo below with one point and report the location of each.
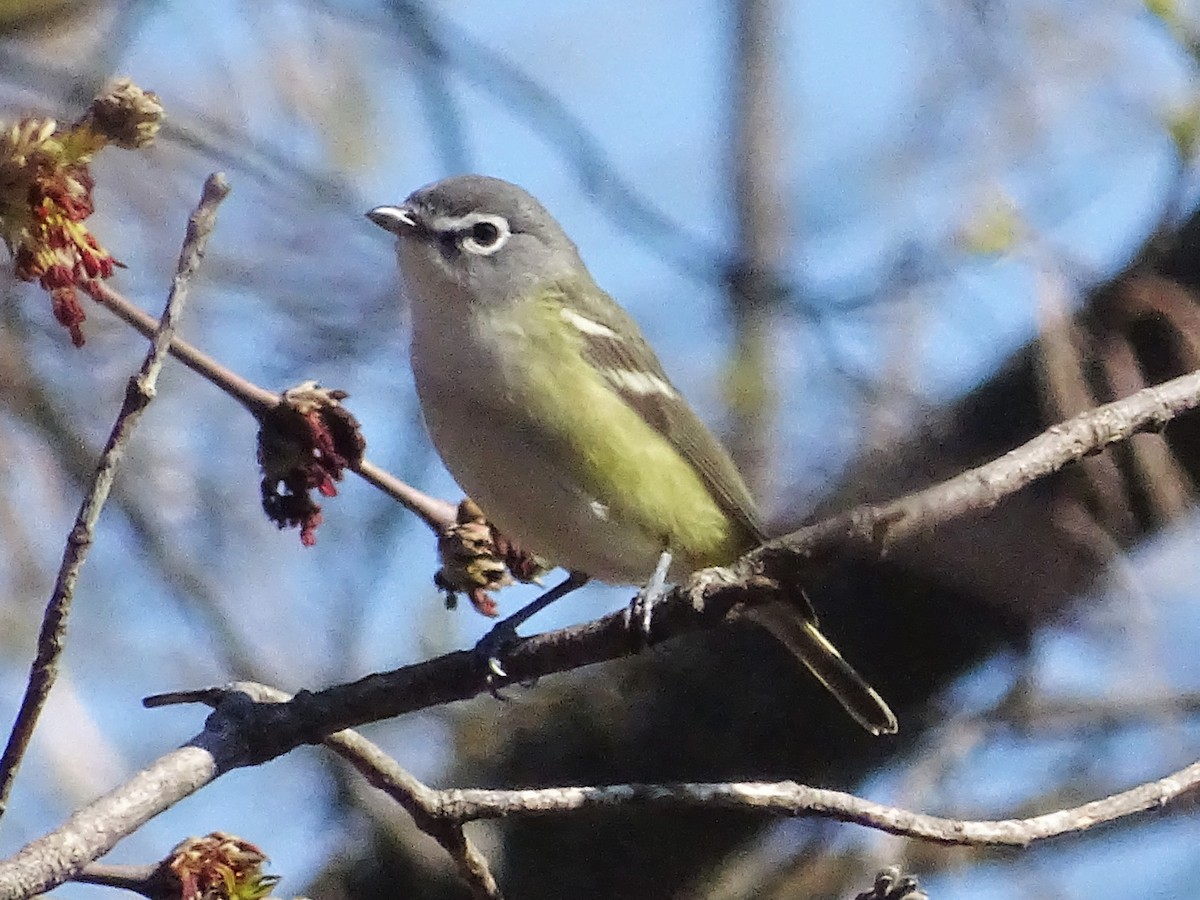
(140, 391)
(149, 881)
(875, 529)
(221, 747)
(790, 798)
(434, 512)
(229, 738)
(712, 595)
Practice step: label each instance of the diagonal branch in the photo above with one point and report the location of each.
(874, 529)
(436, 513)
(712, 595)
(52, 636)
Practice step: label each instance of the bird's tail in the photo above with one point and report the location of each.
(801, 636)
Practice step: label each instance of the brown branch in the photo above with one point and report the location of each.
(151, 881)
(434, 512)
(254, 398)
(140, 391)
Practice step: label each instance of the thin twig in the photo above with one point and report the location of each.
(434, 512)
(421, 802)
(790, 798)
(254, 398)
(138, 394)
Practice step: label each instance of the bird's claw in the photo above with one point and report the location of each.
(641, 608)
(488, 651)
(639, 616)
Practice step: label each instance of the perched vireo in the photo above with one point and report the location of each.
(553, 413)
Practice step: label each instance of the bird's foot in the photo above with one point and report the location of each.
(492, 645)
(488, 652)
(640, 614)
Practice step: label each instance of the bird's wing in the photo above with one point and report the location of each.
(616, 348)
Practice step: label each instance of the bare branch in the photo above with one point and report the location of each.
(140, 391)
(417, 799)
(226, 743)
(874, 529)
(150, 881)
(95, 829)
(251, 396)
(233, 734)
(423, 804)
(790, 798)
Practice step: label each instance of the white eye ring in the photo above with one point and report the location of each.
(482, 234)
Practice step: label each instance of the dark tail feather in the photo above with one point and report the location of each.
(801, 637)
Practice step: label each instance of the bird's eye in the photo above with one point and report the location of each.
(485, 236)
(485, 233)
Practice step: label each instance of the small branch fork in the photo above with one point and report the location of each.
(231, 732)
(436, 513)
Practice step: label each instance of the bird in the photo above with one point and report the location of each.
(552, 411)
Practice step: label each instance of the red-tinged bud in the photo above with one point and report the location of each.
(305, 444)
(46, 193)
(220, 866)
(65, 303)
(476, 558)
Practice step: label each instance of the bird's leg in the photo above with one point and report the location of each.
(642, 607)
(505, 631)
